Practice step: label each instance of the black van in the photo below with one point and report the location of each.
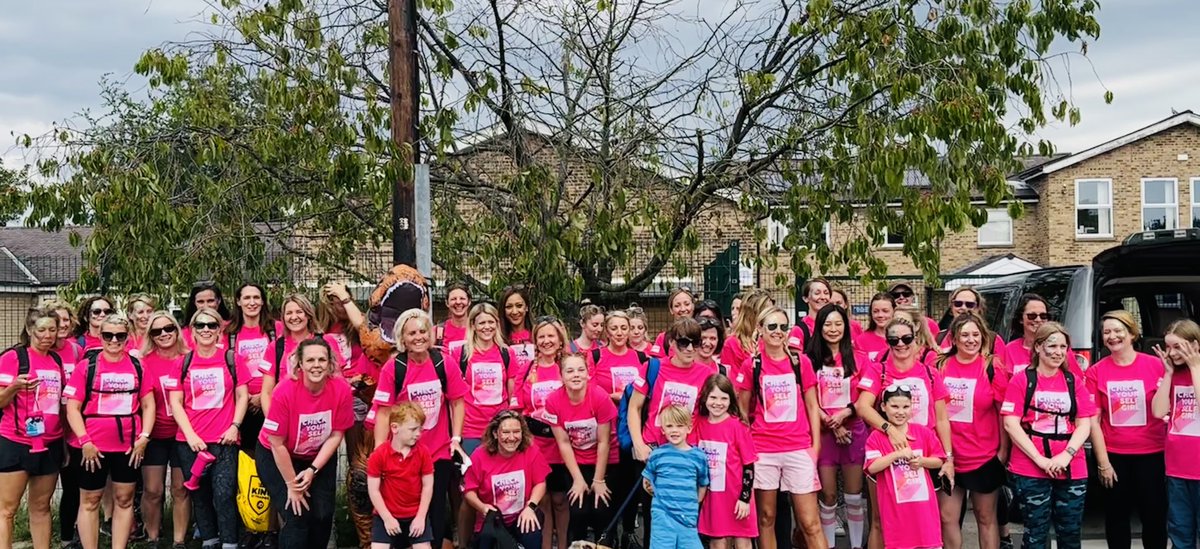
(1155, 275)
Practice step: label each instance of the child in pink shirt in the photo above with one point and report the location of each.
(908, 507)
(728, 512)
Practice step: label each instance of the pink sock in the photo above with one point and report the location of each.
(829, 523)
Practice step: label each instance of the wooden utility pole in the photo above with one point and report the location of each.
(402, 26)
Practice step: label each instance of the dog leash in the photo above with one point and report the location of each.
(621, 510)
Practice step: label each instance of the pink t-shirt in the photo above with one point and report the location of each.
(583, 421)
(728, 447)
(532, 390)
(134, 345)
(346, 349)
(926, 384)
(872, 344)
(112, 417)
(209, 394)
(289, 348)
(974, 411)
(91, 342)
(1123, 395)
(733, 353)
(1183, 431)
(908, 506)
(253, 346)
(523, 348)
(657, 349)
(1050, 395)
(487, 387)
(45, 399)
(674, 385)
(422, 386)
(796, 339)
(306, 420)
(453, 335)
(780, 417)
(159, 372)
(1017, 357)
(836, 390)
(505, 482)
(614, 372)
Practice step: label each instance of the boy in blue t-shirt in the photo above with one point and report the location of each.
(677, 476)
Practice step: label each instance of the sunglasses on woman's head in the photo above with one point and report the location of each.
(114, 336)
(1035, 316)
(899, 387)
(685, 343)
(893, 341)
(776, 327)
(168, 329)
(104, 312)
(206, 325)
(707, 323)
(966, 304)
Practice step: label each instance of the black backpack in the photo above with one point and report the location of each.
(1031, 387)
(756, 375)
(23, 368)
(400, 363)
(229, 364)
(88, 390)
(805, 332)
(505, 357)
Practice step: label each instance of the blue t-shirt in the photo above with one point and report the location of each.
(676, 476)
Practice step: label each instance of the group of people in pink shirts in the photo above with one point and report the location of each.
(881, 431)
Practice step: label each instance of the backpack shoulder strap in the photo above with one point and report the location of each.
(804, 330)
(439, 367)
(595, 357)
(22, 359)
(187, 365)
(795, 363)
(643, 358)
(137, 367)
(755, 376)
(400, 365)
(269, 329)
(1030, 388)
(990, 368)
(89, 380)
(940, 338)
(231, 356)
(1070, 378)
(506, 358)
(279, 345)
(56, 358)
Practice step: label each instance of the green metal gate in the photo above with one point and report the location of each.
(721, 277)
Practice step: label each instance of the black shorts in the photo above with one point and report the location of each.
(984, 480)
(113, 465)
(16, 457)
(251, 426)
(160, 453)
(559, 480)
(379, 533)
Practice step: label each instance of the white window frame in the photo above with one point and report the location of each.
(1008, 241)
(1195, 209)
(890, 245)
(1172, 220)
(1109, 206)
(777, 232)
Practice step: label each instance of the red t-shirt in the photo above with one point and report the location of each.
(780, 415)
(582, 422)
(1123, 395)
(422, 386)
(1050, 394)
(400, 478)
(974, 411)
(674, 385)
(209, 394)
(306, 420)
(112, 417)
(505, 482)
(159, 372)
(46, 398)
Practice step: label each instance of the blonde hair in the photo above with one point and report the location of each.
(306, 307)
(148, 345)
(405, 411)
(921, 333)
(1043, 333)
(674, 415)
(117, 319)
(139, 298)
(1185, 329)
(402, 320)
(558, 329)
(472, 341)
(746, 327)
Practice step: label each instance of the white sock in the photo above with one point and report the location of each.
(855, 516)
(829, 523)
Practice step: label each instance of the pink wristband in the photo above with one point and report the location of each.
(83, 440)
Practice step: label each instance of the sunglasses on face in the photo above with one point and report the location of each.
(902, 294)
(114, 336)
(168, 329)
(1035, 316)
(776, 327)
(685, 343)
(965, 304)
(102, 312)
(893, 341)
(206, 325)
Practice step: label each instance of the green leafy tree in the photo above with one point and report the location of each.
(563, 133)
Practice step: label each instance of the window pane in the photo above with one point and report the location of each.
(1159, 191)
(1093, 192)
(1154, 219)
(1196, 215)
(1093, 221)
(997, 230)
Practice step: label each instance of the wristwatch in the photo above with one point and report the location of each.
(532, 506)
(314, 469)
(1071, 451)
(144, 435)
(884, 428)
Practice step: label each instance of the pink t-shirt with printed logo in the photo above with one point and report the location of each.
(522, 348)
(582, 422)
(453, 336)
(728, 447)
(505, 482)
(1183, 429)
(974, 411)
(733, 354)
(253, 345)
(908, 505)
(159, 372)
(1123, 395)
(113, 413)
(487, 387)
(289, 348)
(872, 344)
(349, 351)
(422, 386)
(614, 372)
(1050, 394)
(780, 417)
(836, 390)
(1017, 357)
(305, 420)
(674, 385)
(92, 342)
(925, 382)
(208, 394)
(532, 391)
(657, 349)
(45, 399)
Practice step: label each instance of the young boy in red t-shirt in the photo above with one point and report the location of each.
(400, 483)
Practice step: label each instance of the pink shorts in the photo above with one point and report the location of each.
(793, 472)
(835, 455)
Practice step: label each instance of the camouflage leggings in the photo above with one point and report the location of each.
(1051, 501)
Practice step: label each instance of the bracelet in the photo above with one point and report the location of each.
(598, 481)
(84, 440)
(346, 301)
(456, 439)
(1103, 467)
(237, 425)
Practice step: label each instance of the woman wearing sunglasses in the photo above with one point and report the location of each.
(962, 301)
(904, 296)
(1126, 441)
(902, 365)
(299, 325)
(92, 313)
(111, 411)
(779, 390)
(1032, 313)
(682, 303)
(1048, 415)
(542, 379)
(162, 356)
(208, 397)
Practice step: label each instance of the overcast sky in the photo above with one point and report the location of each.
(53, 55)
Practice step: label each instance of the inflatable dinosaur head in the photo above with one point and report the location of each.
(401, 288)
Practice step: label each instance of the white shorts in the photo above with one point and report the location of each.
(793, 472)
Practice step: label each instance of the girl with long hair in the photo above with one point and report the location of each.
(727, 514)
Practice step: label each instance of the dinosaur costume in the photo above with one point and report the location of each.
(401, 288)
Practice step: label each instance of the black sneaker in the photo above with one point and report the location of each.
(269, 540)
(138, 533)
(1006, 542)
(106, 528)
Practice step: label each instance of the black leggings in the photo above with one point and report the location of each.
(214, 505)
(1141, 487)
(68, 504)
(440, 517)
(591, 514)
(313, 527)
(625, 477)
